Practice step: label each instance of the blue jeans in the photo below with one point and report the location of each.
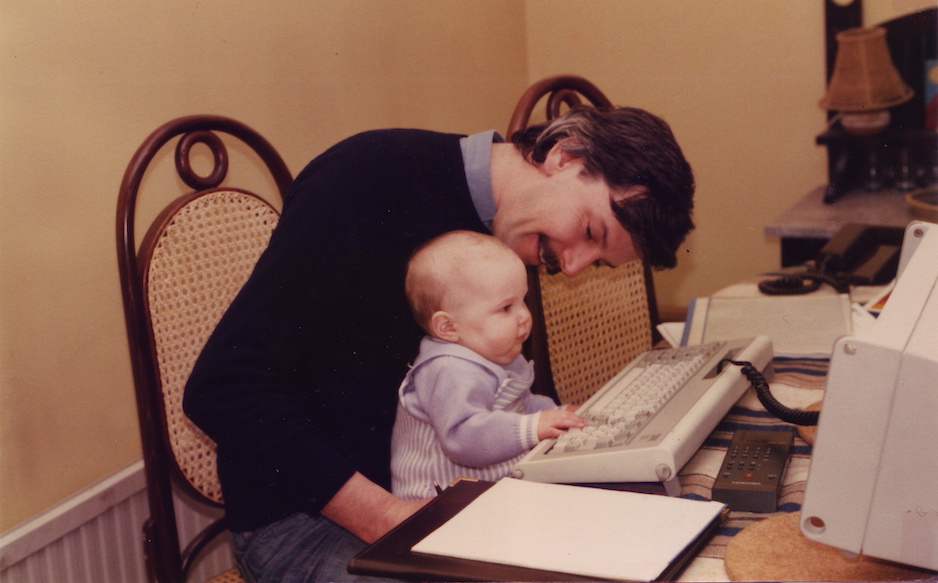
(296, 549)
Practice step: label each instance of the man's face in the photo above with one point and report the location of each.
(565, 222)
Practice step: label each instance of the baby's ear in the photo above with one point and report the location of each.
(443, 326)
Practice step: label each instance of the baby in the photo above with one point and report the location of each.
(465, 407)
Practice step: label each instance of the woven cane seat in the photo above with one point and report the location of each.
(596, 323)
(199, 260)
(232, 575)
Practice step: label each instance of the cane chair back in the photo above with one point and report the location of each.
(192, 261)
(587, 327)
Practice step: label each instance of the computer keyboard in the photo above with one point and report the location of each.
(648, 421)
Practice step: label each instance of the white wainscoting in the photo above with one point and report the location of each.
(96, 537)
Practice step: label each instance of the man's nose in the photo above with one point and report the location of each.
(576, 260)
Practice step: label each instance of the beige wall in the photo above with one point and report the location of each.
(82, 83)
(739, 83)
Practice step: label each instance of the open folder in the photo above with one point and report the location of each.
(521, 530)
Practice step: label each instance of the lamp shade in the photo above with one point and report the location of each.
(864, 76)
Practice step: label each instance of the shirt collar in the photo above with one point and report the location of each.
(477, 159)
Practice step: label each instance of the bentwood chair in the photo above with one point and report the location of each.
(587, 327)
(176, 285)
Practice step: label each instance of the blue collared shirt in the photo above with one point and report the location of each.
(477, 159)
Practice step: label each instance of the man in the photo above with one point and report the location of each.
(297, 385)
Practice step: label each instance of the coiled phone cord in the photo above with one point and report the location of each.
(794, 283)
(807, 281)
(772, 405)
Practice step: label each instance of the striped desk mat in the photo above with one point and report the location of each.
(797, 383)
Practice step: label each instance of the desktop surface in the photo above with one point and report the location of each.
(799, 382)
(811, 218)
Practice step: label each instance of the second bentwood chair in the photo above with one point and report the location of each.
(587, 327)
(176, 285)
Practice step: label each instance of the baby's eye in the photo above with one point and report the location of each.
(506, 308)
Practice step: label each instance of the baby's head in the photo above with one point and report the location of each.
(469, 288)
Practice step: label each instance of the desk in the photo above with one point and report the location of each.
(809, 223)
(796, 383)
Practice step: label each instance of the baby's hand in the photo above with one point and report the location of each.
(555, 422)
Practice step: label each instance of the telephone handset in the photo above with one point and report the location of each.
(864, 254)
(855, 255)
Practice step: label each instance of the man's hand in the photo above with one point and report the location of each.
(555, 422)
(367, 510)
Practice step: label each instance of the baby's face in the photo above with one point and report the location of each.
(489, 312)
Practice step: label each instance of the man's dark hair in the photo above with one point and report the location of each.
(627, 147)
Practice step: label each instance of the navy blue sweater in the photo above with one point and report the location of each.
(297, 385)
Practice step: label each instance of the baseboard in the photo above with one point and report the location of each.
(96, 535)
(51, 525)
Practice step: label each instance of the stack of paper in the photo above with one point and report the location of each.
(798, 325)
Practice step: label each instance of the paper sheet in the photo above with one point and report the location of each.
(570, 529)
(671, 332)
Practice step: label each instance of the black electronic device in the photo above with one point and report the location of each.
(857, 254)
(864, 254)
(751, 476)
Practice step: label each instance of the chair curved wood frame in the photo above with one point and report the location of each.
(588, 327)
(560, 90)
(160, 415)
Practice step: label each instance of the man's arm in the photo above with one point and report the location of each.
(367, 510)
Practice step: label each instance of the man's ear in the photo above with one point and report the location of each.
(558, 157)
(443, 326)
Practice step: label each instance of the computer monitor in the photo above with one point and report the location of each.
(873, 483)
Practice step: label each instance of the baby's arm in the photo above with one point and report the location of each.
(456, 397)
(555, 422)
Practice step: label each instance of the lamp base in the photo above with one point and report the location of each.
(865, 123)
